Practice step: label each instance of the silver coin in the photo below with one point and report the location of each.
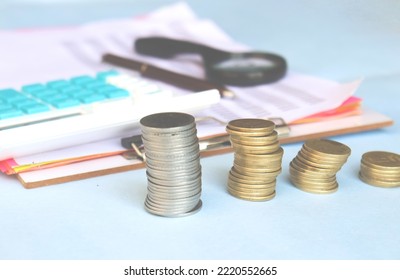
(172, 150)
(182, 178)
(168, 208)
(173, 166)
(173, 194)
(161, 137)
(187, 187)
(167, 121)
(172, 146)
(168, 156)
(165, 211)
(174, 175)
(171, 201)
(176, 214)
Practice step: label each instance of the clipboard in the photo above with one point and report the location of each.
(366, 120)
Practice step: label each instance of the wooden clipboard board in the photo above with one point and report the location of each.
(367, 120)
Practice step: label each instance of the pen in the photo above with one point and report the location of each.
(164, 75)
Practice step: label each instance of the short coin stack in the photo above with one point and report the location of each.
(257, 159)
(381, 169)
(315, 166)
(172, 164)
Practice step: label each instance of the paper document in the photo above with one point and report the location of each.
(43, 55)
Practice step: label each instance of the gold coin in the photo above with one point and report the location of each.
(252, 124)
(249, 184)
(256, 150)
(253, 170)
(254, 193)
(256, 177)
(314, 157)
(317, 191)
(312, 176)
(255, 140)
(317, 187)
(325, 147)
(379, 183)
(311, 166)
(256, 164)
(262, 193)
(384, 174)
(257, 160)
(276, 154)
(314, 186)
(315, 172)
(380, 170)
(251, 197)
(271, 166)
(316, 183)
(259, 143)
(382, 160)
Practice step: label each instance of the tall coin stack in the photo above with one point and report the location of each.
(172, 164)
(381, 169)
(257, 159)
(315, 166)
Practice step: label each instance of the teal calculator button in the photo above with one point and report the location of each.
(33, 88)
(33, 109)
(55, 98)
(92, 98)
(105, 89)
(103, 75)
(44, 93)
(7, 92)
(13, 98)
(82, 80)
(5, 106)
(57, 84)
(25, 103)
(117, 93)
(65, 103)
(10, 113)
(95, 84)
(79, 93)
(69, 89)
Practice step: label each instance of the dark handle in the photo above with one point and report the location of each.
(166, 47)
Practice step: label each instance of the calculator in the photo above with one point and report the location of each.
(61, 113)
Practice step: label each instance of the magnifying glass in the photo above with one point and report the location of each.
(231, 68)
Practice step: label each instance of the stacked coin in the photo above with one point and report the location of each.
(172, 164)
(315, 166)
(257, 159)
(381, 169)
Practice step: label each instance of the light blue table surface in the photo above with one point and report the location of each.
(104, 218)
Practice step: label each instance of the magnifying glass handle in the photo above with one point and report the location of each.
(165, 47)
(240, 69)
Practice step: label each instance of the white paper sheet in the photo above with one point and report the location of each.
(43, 55)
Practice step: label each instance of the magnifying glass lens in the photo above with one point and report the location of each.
(240, 69)
(244, 64)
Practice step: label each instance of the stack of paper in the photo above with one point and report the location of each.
(297, 99)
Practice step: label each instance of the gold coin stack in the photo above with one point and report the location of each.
(380, 169)
(315, 166)
(257, 159)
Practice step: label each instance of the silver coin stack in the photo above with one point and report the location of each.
(172, 164)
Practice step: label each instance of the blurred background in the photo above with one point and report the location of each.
(340, 40)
